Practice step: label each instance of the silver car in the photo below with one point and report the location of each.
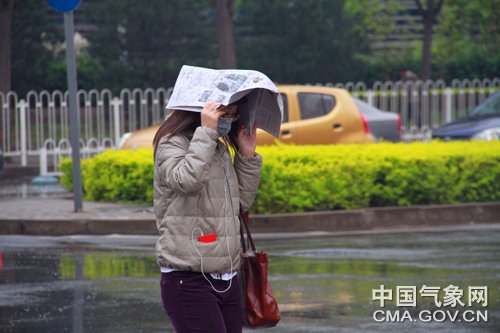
(383, 125)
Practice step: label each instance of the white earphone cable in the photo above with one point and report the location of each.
(225, 167)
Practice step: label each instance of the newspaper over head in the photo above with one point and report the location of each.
(196, 86)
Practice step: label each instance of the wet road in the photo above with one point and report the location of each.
(323, 284)
(21, 187)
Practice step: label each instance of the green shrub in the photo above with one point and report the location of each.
(121, 175)
(316, 178)
(302, 178)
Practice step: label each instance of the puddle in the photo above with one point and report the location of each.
(323, 284)
(365, 253)
(21, 187)
(34, 191)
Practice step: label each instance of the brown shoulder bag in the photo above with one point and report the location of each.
(260, 309)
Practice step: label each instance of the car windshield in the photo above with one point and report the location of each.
(491, 106)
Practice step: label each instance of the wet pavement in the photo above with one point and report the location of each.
(323, 284)
(59, 209)
(22, 187)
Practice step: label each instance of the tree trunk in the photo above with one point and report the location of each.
(223, 14)
(6, 12)
(427, 45)
(429, 16)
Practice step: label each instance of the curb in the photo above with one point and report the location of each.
(77, 227)
(379, 218)
(327, 221)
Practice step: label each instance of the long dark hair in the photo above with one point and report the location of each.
(179, 121)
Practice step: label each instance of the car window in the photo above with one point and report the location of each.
(285, 108)
(489, 106)
(328, 103)
(315, 105)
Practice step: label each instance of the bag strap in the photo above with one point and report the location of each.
(244, 222)
(242, 238)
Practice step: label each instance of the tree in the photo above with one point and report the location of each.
(300, 41)
(373, 17)
(144, 44)
(6, 12)
(373, 20)
(223, 13)
(429, 16)
(467, 41)
(30, 59)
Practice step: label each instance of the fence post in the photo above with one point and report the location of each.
(43, 161)
(369, 97)
(116, 115)
(449, 94)
(24, 153)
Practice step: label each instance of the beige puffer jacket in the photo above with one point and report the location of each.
(189, 199)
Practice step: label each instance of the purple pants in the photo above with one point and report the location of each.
(193, 306)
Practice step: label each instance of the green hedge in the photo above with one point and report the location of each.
(303, 178)
(117, 176)
(315, 178)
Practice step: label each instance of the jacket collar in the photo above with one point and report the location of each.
(221, 147)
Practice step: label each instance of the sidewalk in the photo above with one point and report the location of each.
(48, 216)
(40, 216)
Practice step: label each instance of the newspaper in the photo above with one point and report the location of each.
(196, 86)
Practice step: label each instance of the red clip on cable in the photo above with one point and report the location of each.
(208, 238)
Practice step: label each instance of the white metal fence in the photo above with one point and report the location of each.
(421, 105)
(37, 128)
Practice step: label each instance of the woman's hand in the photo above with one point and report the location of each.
(210, 115)
(247, 142)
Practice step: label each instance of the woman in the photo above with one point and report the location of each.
(197, 197)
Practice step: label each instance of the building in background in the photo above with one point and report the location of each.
(408, 29)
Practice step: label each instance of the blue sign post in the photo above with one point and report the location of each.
(64, 6)
(67, 6)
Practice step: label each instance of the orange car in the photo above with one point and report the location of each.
(318, 115)
(312, 115)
